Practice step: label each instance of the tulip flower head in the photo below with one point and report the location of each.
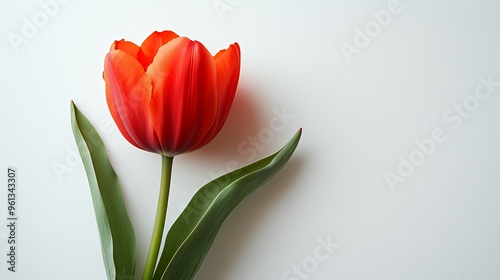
(170, 95)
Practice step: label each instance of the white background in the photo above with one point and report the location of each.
(361, 113)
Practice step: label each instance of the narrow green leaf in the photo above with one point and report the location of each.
(115, 229)
(192, 234)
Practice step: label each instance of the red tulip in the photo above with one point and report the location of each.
(170, 95)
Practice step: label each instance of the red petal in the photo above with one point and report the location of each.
(128, 93)
(183, 104)
(228, 73)
(151, 45)
(126, 46)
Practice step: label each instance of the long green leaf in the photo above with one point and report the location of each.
(192, 234)
(115, 229)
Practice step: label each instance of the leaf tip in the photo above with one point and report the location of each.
(72, 106)
(299, 133)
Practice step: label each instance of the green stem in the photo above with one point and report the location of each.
(161, 213)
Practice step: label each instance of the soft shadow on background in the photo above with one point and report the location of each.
(243, 120)
(241, 225)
